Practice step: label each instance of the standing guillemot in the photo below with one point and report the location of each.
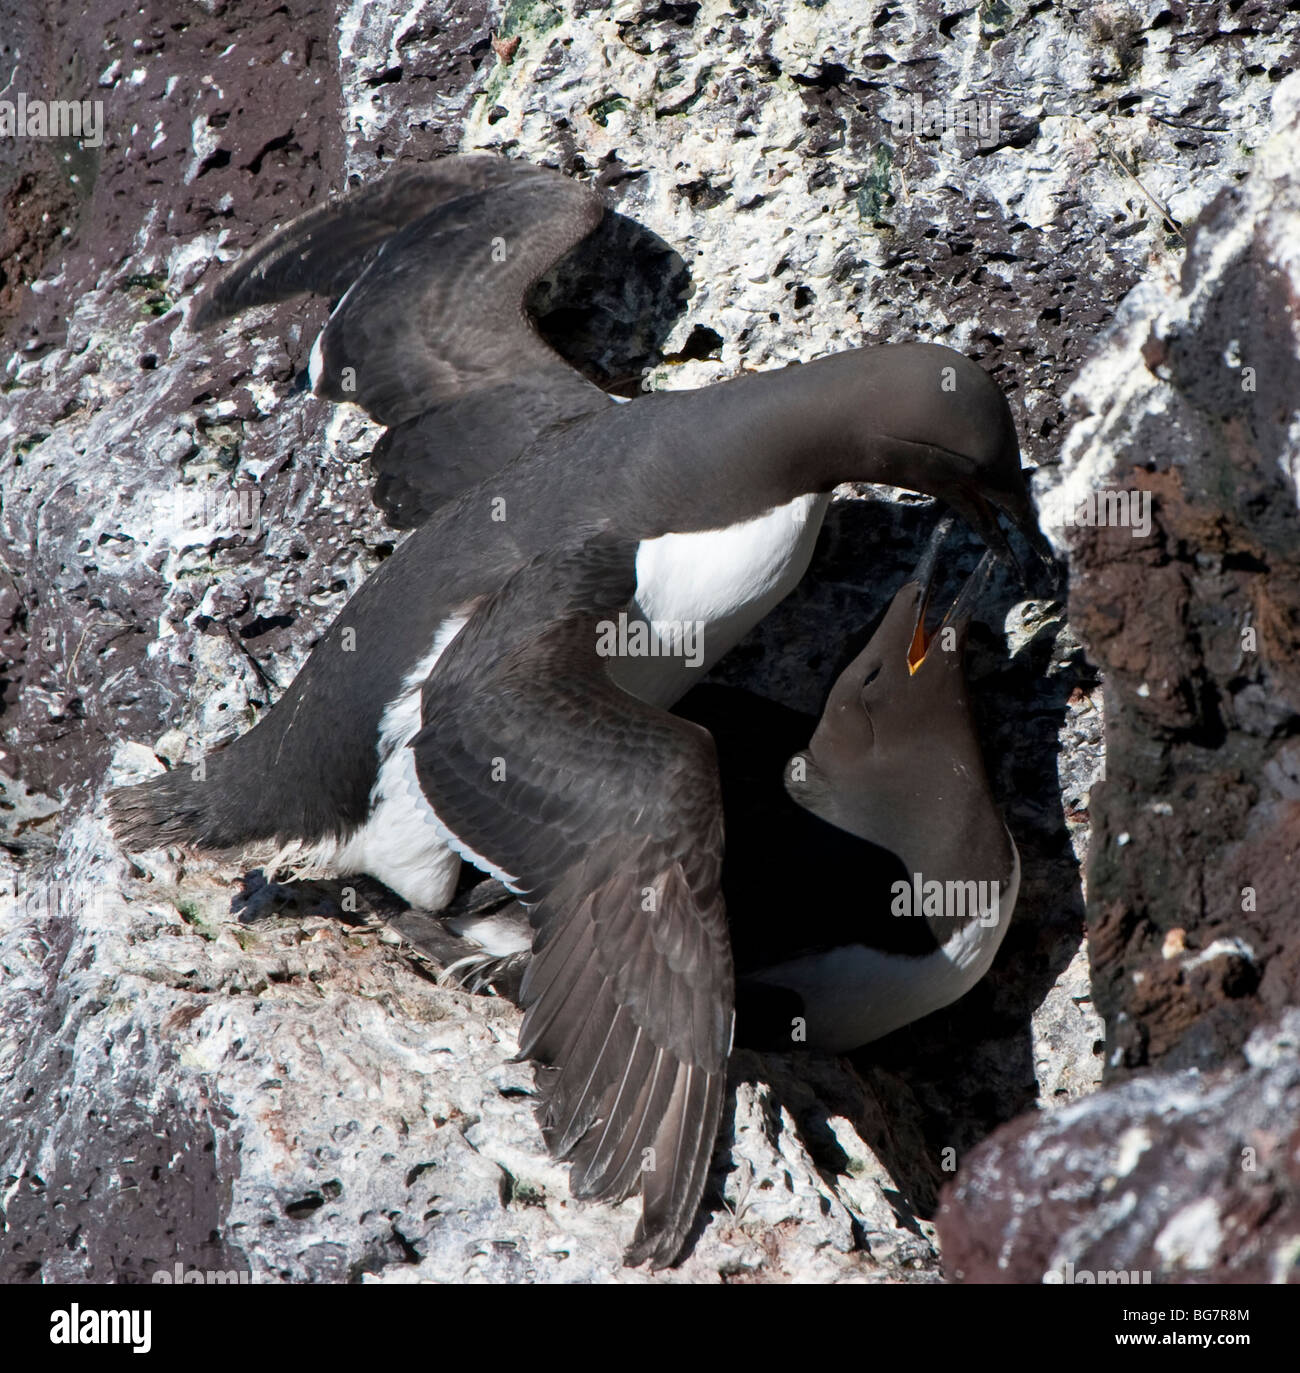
(459, 707)
(699, 482)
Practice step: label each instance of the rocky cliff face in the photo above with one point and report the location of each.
(1191, 403)
(196, 1068)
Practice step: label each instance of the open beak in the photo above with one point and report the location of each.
(981, 513)
(958, 615)
(924, 574)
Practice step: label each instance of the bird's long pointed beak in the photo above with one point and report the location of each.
(1018, 508)
(959, 613)
(981, 513)
(977, 511)
(924, 575)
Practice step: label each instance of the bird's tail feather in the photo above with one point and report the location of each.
(186, 807)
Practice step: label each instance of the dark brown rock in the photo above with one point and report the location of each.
(1188, 1175)
(1183, 1177)
(1196, 842)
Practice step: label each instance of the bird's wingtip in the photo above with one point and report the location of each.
(661, 1247)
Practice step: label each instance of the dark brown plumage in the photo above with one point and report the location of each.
(431, 337)
(605, 814)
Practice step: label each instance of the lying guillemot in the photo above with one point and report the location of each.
(869, 878)
(606, 818)
(877, 886)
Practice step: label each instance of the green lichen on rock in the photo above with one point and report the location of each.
(191, 914)
(995, 18)
(602, 109)
(876, 193)
(149, 289)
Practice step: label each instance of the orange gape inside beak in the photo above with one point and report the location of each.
(917, 649)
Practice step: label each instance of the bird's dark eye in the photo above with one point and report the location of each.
(871, 676)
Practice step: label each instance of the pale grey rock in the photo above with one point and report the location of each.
(383, 1128)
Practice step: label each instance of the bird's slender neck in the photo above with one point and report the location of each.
(965, 840)
(980, 847)
(753, 443)
(812, 424)
(942, 868)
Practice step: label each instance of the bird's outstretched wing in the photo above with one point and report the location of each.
(431, 336)
(605, 814)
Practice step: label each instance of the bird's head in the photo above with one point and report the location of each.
(895, 758)
(942, 426)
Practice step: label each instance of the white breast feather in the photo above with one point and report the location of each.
(855, 994)
(726, 578)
